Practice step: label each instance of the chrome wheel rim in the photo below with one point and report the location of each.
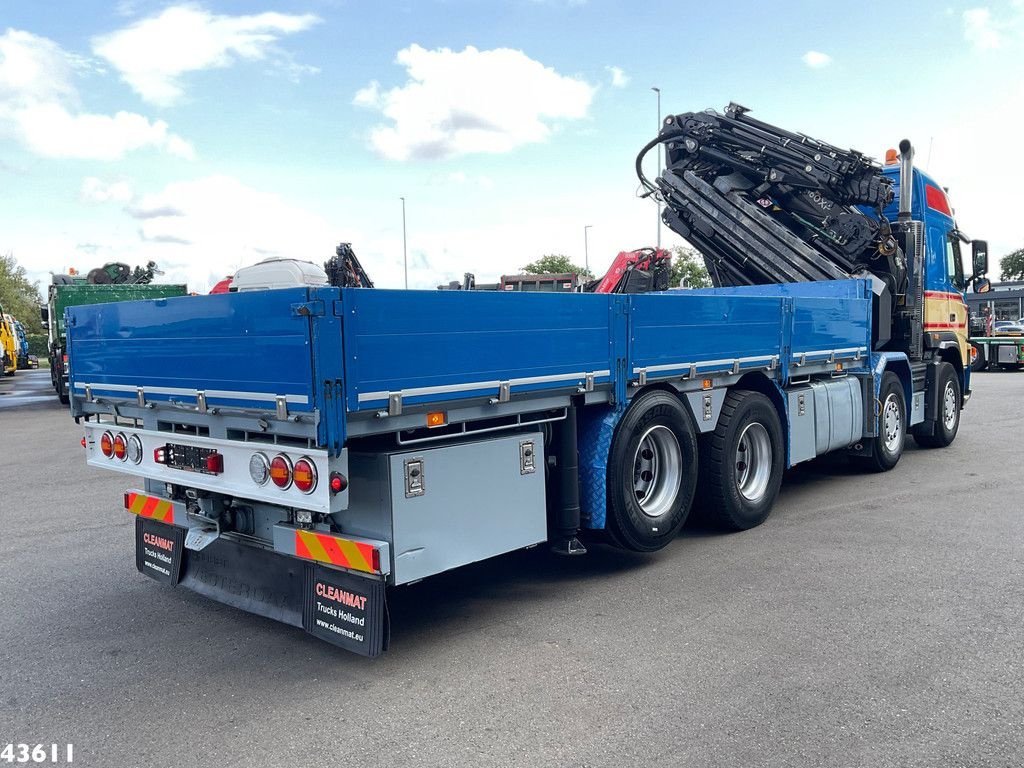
(657, 471)
(949, 405)
(753, 461)
(892, 422)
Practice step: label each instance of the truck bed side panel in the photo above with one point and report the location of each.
(438, 345)
(242, 349)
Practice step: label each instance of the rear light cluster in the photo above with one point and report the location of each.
(121, 447)
(283, 473)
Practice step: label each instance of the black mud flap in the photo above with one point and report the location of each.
(346, 610)
(256, 580)
(158, 550)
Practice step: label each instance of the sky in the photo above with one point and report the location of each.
(206, 136)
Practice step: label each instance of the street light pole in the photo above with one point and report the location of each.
(405, 252)
(586, 248)
(657, 205)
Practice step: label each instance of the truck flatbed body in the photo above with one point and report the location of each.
(334, 358)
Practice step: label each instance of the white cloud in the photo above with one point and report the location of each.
(39, 106)
(816, 59)
(96, 190)
(471, 101)
(152, 54)
(619, 78)
(225, 223)
(980, 30)
(50, 130)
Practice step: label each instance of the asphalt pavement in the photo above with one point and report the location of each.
(873, 620)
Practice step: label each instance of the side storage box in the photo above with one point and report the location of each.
(442, 507)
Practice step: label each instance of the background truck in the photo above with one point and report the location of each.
(22, 337)
(8, 345)
(74, 291)
(299, 451)
(997, 343)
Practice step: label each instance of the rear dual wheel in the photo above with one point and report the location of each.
(742, 462)
(652, 472)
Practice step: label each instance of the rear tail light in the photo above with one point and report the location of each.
(121, 446)
(135, 449)
(304, 474)
(107, 444)
(338, 482)
(259, 469)
(281, 471)
(215, 463)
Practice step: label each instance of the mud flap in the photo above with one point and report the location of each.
(346, 610)
(158, 550)
(332, 604)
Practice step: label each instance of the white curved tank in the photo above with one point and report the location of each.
(278, 272)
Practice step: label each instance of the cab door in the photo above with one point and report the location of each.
(945, 311)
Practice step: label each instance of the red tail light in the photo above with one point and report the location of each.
(281, 471)
(304, 475)
(338, 482)
(120, 446)
(214, 463)
(107, 444)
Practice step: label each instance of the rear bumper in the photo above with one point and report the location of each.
(338, 606)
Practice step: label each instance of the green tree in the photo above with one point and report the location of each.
(554, 263)
(18, 296)
(688, 264)
(1012, 266)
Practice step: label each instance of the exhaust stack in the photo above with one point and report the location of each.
(906, 179)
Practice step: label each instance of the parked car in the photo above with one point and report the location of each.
(1008, 327)
(33, 361)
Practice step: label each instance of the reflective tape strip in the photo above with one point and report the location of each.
(150, 506)
(335, 551)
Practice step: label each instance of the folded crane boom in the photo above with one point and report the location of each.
(764, 205)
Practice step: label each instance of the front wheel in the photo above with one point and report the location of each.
(742, 462)
(652, 472)
(948, 392)
(887, 446)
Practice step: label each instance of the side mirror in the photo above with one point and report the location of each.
(44, 315)
(979, 257)
(982, 285)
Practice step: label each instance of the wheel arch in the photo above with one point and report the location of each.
(756, 381)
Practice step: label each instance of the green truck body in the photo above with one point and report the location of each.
(1006, 351)
(75, 292)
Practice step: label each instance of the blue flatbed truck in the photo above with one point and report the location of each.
(301, 451)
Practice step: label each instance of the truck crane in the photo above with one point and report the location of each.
(326, 444)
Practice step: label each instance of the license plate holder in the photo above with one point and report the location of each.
(190, 458)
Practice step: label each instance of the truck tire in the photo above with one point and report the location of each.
(652, 472)
(742, 462)
(62, 393)
(887, 447)
(980, 363)
(948, 392)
